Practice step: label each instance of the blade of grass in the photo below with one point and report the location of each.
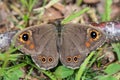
(52, 2)
(13, 68)
(83, 66)
(74, 15)
(24, 2)
(7, 56)
(90, 64)
(116, 48)
(78, 2)
(106, 15)
(30, 5)
(31, 70)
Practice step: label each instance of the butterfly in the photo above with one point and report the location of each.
(48, 44)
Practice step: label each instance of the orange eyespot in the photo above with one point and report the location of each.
(24, 37)
(43, 59)
(69, 59)
(94, 34)
(50, 59)
(75, 59)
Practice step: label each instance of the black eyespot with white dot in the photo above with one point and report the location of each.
(93, 34)
(25, 37)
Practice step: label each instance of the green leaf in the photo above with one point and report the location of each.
(106, 78)
(15, 75)
(112, 68)
(116, 48)
(106, 15)
(16, 67)
(74, 15)
(12, 57)
(63, 72)
(2, 72)
(49, 74)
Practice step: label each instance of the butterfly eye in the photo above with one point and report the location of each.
(25, 37)
(94, 34)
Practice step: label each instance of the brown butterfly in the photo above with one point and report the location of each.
(47, 44)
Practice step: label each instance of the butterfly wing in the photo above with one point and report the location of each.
(40, 43)
(77, 43)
